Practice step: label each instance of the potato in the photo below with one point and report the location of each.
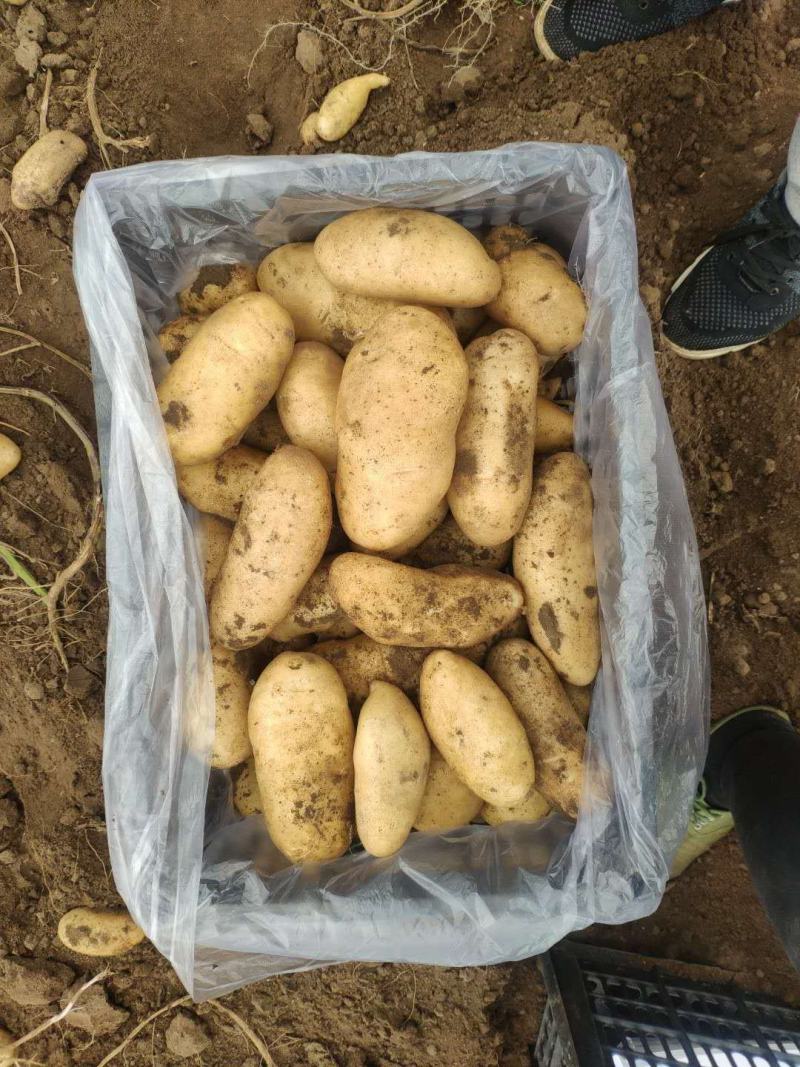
(555, 732)
(553, 558)
(175, 336)
(266, 430)
(554, 427)
(531, 808)
(41, 173)
(10, 455)
(416, 539)
(549, 387)
(402, 394)
(491, 485)
(405, 254)
(475, 728)
(449, 544)
(99, 931)
(391, 757)
(277, 544)
(218, 486)
(319, 311)
(216, 536)
(344, 104)
(302, 734)
(580, 697)
(359, 661)
(246, 797)
(501, 240)
(466, 322)
(539, 298)
(215, 285)
(447, 802)
(449, 607)
(306, 399)
(229, 744)
(315, 611)
(226, 374)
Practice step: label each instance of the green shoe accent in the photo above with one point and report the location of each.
(707, 825)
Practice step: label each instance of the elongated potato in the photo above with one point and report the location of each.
(215, 285)
(319, 311)
(491, 485)
(99, 931)
(449, 607)
(246, 797)
(175, 336)
(277, 544)
(344, 104)
(216, 536)
(449, 544)
(530, 809)
(556, 734)
(266, 430)
(406, 254)
(315, 611)
(41, 173)
(306, 399)
(225, 375)
(302, 734)
(554, 427)
(554, 561)
(359, 661)
(475, 728)
(218, 486)
(229, 744)
(447, 802)
(10, 455)
(391, 757)
(539, 298)
(402, 394)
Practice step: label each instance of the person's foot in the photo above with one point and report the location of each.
(710, 821)
(742, 288)
(565, 28)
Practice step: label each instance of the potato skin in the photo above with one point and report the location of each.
(266, 430)
(231, 744)
(306, 399)
(302, 734)
(554, 560)
(554, 427)
(555, 733)
(447, 802)
(530, 809)
(432, 522)
(409, 255)
(449, 544)
(215, 285)
(99, 932)
(391, 758)
(218, 487)
(319, 311)
(492, 478)
(449, 607)
(223, 378)
(402, 393)
(359, 661)
(277, 544)
(501, 240)
(539, 298)
(216, 536)
(10, 455)
(580, 697)
(175, 335)
(475, 728)
(315, 611)
(246, 797)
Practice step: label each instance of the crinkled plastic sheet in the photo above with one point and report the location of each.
(207, 887)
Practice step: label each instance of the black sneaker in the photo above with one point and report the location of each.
(565, 28)
(741, 289)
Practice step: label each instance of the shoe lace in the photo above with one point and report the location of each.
(702, 812)
(775, 250)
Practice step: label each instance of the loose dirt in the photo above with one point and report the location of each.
(702, 117)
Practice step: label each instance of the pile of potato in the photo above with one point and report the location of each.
(366, 482)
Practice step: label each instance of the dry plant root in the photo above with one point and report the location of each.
(14, 258)
(102, 138)
(342, 107)
(8, 1056)
(34, 342)
(89, 541)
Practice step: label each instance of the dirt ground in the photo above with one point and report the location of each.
(702, 117)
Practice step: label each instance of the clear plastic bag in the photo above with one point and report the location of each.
(206, 886)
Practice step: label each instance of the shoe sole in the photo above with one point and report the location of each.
(704, 353)
(777, 712)
(539, 34)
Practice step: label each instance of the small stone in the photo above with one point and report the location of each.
(420, 139)
(641, 59)
(759, 350)
(57, 38)
(764, 598)
(769, 466)
(723, 481)
(12, 83)
(308, 52)
(466, 81)
(741, 666)
(55, 60)
(69, 76)
(93, 1012)
(723, 599)
(769, 610)
(33, 983)
(762, 150)
(685, 177)
(27, 55)
(792, 45)
(80, 682)
(431, 1050)
(186, 1036)
(259, 128)
(33, 690)
(31, 25)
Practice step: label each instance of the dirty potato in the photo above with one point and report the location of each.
(99, 931)
(466, 322)
(175, 336)
(531, 808)
(306, 399)
(554, 427)
(215, 535)
(449, 544)
(40, 174)
(447, 802)
(428, 527)
(246, 797)
(315, 611)
(266, 430)
(580, 696)
(10, 455)
(215, 285)
(218, 486)
(359, 661)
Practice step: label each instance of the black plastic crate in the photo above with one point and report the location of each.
(605, 1009)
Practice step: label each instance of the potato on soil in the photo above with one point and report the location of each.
(10, 455)
(447, 802)
(532, 808)
(41, 173)
(491, 485)
(315, 611)
(449, 607)
(449, 544)
(539, 298)
(391, 758)
(99, 932)
(266, 430)
(214, 285)
(405, 254)
(246, 797)
(475, 728)
(554, 427)
(400, 400)
(580, 697)
(175, 336)
(218, 486)
(319, 311)
(215, 535)
(277, 544)
(224, 377)
(302, 734)
(555, 732)
(554, 560)
(344, 104)
(306, 399)
(359, 661)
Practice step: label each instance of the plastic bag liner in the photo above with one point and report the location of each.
(208, 887)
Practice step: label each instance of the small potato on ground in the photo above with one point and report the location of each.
(218, 486)
(41, 173)
(447, 802)
(214, 285)
(99, 931)
(10, 455)
(306, 399)
(344, 104)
